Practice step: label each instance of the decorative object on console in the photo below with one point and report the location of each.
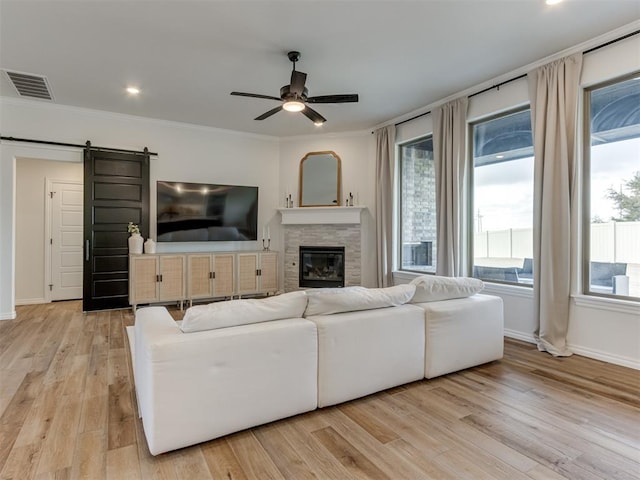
(320, 180)
(135, 240)
(149, 246)
(266, 245)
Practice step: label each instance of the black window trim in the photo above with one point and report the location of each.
(585, 223)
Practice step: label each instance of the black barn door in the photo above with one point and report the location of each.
(116, 192)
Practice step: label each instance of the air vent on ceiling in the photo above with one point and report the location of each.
(29, 85)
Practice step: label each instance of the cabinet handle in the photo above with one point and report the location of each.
(160, 277)
(213, 275)
(157, 278)
(259, 272)
(86, 250)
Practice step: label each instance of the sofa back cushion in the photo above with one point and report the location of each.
(242, 312)
(326, 301)
(433, 288)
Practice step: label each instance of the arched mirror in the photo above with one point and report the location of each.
(320, 174)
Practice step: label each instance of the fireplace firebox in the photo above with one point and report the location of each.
(321, 267)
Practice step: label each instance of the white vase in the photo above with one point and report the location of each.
(135, 243)
(149, 246)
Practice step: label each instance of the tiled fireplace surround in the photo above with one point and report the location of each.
(299, 230)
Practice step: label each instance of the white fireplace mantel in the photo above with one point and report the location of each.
(321, 215)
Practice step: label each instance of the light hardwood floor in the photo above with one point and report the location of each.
(68, 410)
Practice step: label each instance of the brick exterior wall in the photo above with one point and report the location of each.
(418, 201)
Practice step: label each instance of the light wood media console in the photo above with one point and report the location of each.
(180, 277)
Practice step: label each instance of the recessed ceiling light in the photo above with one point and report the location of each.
(499, 156)
(133, 90)
(552, 2)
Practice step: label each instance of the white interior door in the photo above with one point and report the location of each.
(66, 240)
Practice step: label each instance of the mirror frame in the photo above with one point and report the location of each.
(338, 179)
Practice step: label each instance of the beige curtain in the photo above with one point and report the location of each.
(553, 89)
(385, 154)
(449, 151)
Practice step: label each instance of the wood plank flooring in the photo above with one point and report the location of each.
(68, 410)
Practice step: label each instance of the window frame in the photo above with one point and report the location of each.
(399, 223)
(585, 197)
(471, 183)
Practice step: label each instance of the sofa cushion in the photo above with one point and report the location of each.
(363, 352)
(433, 288)
(242, 312)
(326, 301)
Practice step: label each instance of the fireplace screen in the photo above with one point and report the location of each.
(321, 267)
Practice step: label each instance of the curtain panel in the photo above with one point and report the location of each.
(553, 90)
(449, 152)
(385, 157)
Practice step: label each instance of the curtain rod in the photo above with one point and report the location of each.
(497, 86)
(75, 145)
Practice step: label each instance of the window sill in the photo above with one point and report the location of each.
(609, 304)
(406, 276)
(511, 290)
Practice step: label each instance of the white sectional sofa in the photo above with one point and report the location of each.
(234, 365)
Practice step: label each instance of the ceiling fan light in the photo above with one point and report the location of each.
(293, 106)
(318, 123)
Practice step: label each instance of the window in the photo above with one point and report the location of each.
(502, 199)
(611, 229)
(417, 206)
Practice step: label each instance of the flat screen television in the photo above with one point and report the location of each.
(198, 212)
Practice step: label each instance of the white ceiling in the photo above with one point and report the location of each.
(187, 56)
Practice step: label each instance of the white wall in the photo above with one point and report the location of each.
(186, 153)
(358, 159)
(31, 175)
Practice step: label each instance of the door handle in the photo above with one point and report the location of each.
(86, 251)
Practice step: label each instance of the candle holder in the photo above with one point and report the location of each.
(266, 246)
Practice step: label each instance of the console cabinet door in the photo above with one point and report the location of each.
(172, 277)
(247, 273)
(223, 268)
(200, 269)
(144, 279)
(268, 272)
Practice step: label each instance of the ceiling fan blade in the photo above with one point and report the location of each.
(269, 113)
(312, 115)
(255, 95)
(297, 82)
(346, 98)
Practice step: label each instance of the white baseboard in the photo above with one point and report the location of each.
(525, 337)
(8, 316)
(583, 351)
(31, 301)
(606, 357)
